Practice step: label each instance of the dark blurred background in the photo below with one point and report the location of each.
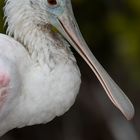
(112, 30)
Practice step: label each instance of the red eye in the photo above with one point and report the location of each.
(52, 2)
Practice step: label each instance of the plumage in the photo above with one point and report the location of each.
(39, 77)
(41, 99)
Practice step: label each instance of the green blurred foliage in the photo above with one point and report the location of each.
(109, 22)
(1, 16)
(114, 28)
(124, 25)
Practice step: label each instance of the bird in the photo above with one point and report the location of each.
(39, 76)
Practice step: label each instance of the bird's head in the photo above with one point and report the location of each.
(59, 14)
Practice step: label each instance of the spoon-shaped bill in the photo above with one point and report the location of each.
(69, 29)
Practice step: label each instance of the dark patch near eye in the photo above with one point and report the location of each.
(52, 2)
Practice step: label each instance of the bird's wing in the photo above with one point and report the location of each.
(14, 59)
(13, 50)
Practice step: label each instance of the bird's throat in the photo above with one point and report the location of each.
(46, 46)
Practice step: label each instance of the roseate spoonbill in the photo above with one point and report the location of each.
(39, 78)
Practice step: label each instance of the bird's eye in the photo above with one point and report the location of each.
(52, 2)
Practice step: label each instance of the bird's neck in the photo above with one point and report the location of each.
(43, 44)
